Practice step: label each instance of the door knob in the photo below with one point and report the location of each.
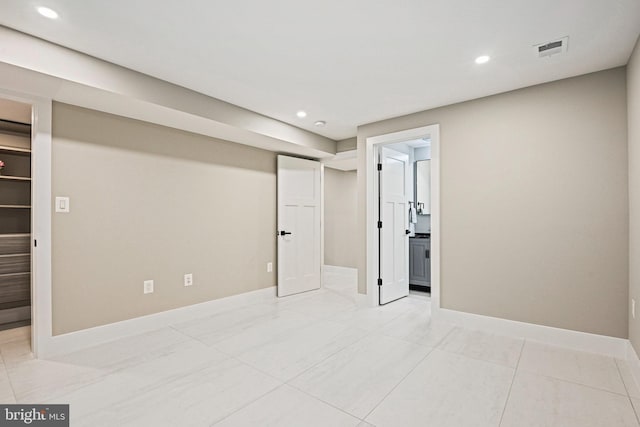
(284, 233)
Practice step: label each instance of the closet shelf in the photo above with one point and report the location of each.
(15, 206)
(19, 254)
(14, 150)
(14, 178)
(25, 273)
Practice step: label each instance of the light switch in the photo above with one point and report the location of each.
(62, 204)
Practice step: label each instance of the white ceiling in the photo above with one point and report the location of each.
(346, 62)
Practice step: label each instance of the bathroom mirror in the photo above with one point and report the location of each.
(423, 187)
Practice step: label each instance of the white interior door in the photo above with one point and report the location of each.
(299, 225)
(394, 215)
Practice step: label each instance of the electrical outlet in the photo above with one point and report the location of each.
(148, 286)
(633, 308)
(269, 267)
(188, 279)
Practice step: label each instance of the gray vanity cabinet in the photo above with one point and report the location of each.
(420, 261)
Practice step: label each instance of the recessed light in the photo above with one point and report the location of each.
(47, 13)
(301, 114)
(320, 123)
(482, 59)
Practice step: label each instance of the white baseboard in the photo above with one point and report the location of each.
(343, 271)
(73, 341)
(347, 273)
(582, 341)
(599, 344)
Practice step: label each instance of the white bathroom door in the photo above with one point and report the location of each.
(299, 225)
(394, 215)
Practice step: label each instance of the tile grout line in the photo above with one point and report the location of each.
(214, 345)
(302, 372)
(576, 383)
(250, 402)
(284, 383)
(620, 375)
(441, 341)
(313, 321)
(151, 386)
(324, 401)
(368, 334)
(533, 372)
(108, 372)
(229, 356)
(478, 358)
(6, 371)
(399, 382)
(288, 382)
(515, 371)
(196, 339)
(633, 408)
(410, 371)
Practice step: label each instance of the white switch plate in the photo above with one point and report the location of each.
(269, 267)
(188, 279)
(148, 286)
(62, 204)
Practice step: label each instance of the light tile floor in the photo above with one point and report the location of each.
(319, 360)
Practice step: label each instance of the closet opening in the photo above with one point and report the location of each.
(15, 218)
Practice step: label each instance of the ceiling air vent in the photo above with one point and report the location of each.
(552, 48)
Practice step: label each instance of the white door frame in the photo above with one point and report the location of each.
(41, 320)
(371, 148)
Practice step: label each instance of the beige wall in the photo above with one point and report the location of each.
(346, 144)
(340, 194)
(149, 202)
(633, 106)
(534, 203)
(15, 111)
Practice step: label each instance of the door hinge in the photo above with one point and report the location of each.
(35, 243)
(379, 281)
(379, 166)
(379, 224)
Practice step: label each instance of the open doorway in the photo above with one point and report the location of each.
(413, 207)
(32, 217)
(417, 222)
(404, 228)
(15, 219)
